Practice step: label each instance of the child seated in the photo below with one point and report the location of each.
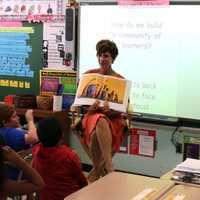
(10, 187)
(59, 165)
(11, 131)
(15, 137)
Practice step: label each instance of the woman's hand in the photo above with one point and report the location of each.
(106, 108)
(94, 108)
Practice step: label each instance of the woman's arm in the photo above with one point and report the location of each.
(34, 182)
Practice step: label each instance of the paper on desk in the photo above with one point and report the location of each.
(143, 194)
(189, 165)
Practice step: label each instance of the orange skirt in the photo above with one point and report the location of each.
(117, 126)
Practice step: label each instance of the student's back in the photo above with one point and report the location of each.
(59, 166)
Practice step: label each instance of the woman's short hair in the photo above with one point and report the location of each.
(104, 46)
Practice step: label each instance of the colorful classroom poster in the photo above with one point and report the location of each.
(54, 46)
(14, 51)
(51, 79)
(19, 70)
(142, 142)
(34, 7)
(53, 82)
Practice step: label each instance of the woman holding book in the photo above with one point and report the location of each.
(103, 129)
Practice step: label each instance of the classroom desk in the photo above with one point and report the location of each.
(121, 186)
(167, 176)
(62, 116)
(190, 193)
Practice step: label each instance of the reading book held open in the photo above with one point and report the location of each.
(104, 88)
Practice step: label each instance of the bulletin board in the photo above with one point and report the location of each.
(142, 142)
(191, 147)
(50, 79)
(20, 59)
(53, 82)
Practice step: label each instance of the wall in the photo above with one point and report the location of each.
(165, 158)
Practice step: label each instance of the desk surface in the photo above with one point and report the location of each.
(190, 193)
(167, 176)
(121, 186)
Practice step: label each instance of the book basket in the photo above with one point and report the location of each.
(44, 102)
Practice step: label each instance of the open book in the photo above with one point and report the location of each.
(102, 87)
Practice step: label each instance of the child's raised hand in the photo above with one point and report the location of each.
(29, 115)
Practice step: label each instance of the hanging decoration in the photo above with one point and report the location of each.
(32, 10)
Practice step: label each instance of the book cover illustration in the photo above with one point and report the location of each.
(94, 87)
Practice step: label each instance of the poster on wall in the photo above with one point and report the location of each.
(15, 50)
(142, 2)
(142, 142)
(19, 68)
(191, 147)
(58, 82)
(53, 48)
(31, 7)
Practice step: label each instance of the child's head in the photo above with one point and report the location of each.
(8, 116)
(49, 131)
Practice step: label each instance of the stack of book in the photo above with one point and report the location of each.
(187, 171)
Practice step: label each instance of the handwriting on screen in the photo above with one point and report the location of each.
(141, 35)
(157, 52)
